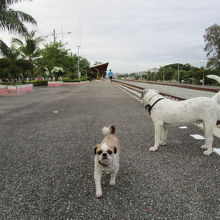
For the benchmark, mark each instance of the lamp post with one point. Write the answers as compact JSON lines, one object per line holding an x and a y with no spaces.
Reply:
{"x":155,"y":73}
{"x":54,"y":36}
{"x":178,"y":73}
{"x":203,"y":75}
{"x":78,"y":63}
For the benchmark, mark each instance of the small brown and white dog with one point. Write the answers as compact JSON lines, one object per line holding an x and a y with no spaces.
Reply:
{"x":106,"y":158}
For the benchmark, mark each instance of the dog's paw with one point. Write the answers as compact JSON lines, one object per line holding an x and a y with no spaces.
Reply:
{"x":112,"y":183}
{"x":152,"y":149}
{"x":207,"y":152}
{"x":204,"y":147}
{"x":163,"y":143}
{"x":98,"y":195}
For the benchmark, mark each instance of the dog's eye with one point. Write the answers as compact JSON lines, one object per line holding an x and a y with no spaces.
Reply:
{"x":109,"y":152}
{"x":99,"y":152}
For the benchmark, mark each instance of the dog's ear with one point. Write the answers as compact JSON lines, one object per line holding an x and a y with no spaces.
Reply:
{"x":95,"y":149}
{"x":115,"y":150}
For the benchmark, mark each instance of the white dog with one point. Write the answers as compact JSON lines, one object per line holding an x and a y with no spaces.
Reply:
{"x":167,"y":113}
{"x":106,"y":158}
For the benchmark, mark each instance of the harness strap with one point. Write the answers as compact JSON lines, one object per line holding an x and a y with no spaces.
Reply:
{"x":149,"y":107}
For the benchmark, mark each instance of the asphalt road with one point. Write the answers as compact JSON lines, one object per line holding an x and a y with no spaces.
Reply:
{"x":47,"y":139}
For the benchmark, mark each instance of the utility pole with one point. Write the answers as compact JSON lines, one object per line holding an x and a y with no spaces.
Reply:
{"x":203,"y":77}
{"x":54,"y":36}
{"x":178,"y":74}
{"x":78,"y":63}
{"x":163,"y":75}
{"x":203,"y":73}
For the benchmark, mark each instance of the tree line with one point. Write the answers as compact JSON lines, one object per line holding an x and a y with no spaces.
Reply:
{"x":186,"y":72}
{"x":25,"y":59}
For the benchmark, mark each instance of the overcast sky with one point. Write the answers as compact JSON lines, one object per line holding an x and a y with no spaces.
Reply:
{"x":132,"y":35}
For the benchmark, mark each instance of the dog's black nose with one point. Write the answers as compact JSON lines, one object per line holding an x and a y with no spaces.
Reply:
{"x":104,"y":154}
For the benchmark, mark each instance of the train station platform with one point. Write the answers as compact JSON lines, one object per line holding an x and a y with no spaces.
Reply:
{"x":47,"y":159}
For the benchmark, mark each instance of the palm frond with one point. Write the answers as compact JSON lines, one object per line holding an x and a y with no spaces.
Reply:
{"x":21,"y":16}
{"x":3,"y":5}
{"x":10,"y":2}
{"x":10,"y":23}
{"x":13,"y":21}
{"x":4,"y":49}
{"x":17,"y":42}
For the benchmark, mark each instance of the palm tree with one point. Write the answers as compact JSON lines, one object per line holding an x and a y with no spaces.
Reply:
{"x":12,"y":65}
{"x":4,"y":49}
{"x":12,"y":20}
{"x":12,"y":55}
{"x":30,"y":48}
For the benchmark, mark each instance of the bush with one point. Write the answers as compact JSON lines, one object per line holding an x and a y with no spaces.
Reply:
{"x":11,"y":83}
{"x":34,"y":82}
{"x":71,"y":80}
{"x":73,"y":75}
{"x":38,"y":83}
{"x":84,"y":79}
{"x":75,"y":80}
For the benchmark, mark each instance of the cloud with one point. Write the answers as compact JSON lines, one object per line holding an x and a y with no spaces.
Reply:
{"x":130,"y":35}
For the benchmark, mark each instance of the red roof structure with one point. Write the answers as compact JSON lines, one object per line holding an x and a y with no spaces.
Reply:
{"x":99,"y":70}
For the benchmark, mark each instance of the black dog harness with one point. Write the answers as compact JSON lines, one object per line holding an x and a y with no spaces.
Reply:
{"x":149,"y":107}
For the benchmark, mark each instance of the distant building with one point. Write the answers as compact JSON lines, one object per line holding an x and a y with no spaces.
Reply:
{"x":99,"y":70}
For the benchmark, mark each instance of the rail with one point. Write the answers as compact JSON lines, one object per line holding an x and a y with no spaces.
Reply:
{"x":186,"y":86}
{"x":139,"y":89}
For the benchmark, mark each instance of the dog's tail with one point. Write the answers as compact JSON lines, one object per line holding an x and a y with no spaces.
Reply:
{"x":108,"y":130}
{"x":216,"y":97}
{"x":216,"y":78}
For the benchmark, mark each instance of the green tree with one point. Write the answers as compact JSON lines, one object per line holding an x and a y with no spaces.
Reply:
{"x":13,"y":21}
{"x":13,"y":66}
{"x":4,"y":64}
{"x":12,"y":55}
{"x":56,"y":55}
{"x":212,"y":47}
{"x":29,"y":49}
{"x":84,"y":67}
{"x":4,"y":49}
{"x":57,"y":72}
{"x":25,"y":66}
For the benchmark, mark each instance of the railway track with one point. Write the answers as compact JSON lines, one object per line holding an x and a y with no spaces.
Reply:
{"x":185,"y":86}
{"x":139,"y":90}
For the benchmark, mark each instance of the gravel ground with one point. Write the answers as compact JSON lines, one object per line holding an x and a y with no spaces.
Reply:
{"x":46,"y":160}
{"x":175,"y":91}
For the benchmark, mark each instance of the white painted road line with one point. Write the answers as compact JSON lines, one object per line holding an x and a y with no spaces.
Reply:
{"x":129,"y":91}
{"x":197,"y":136}
{"x":183,"y":127}
{"x":216,"y":150}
